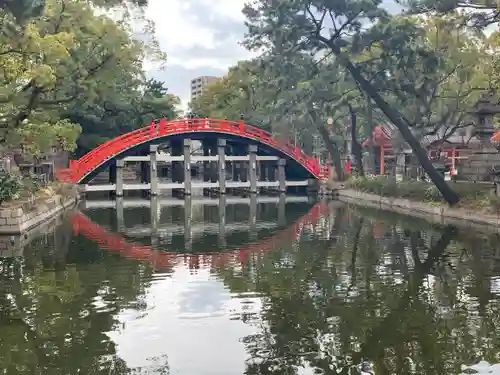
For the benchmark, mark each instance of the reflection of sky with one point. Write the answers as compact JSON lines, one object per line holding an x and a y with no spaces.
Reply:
{"x":482,"y":368}
{"x":188,"y":320}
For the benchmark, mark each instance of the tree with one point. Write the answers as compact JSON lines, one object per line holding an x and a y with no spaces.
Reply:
{"x":345,"y":29}
{"x":24,"y":10}
{"x":131,"y":106}
{"x":476,"y":13}
{"x":66,"y":64}
{"x":240,"y":93}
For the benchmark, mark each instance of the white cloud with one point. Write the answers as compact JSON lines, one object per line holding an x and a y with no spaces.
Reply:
{"x":200,"y":37}
{"x":179,"y":28}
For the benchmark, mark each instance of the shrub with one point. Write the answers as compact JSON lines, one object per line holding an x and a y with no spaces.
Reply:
{"x":10,"y":186}
{"x":477,"y":195}
{"x":432,"y":194}
{"x":389,"y":187}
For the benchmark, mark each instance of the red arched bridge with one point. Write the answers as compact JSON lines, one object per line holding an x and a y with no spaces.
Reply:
{"x":241,"y":156}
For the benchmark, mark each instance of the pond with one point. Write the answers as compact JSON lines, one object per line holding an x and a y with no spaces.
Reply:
{"x":248,"y":286}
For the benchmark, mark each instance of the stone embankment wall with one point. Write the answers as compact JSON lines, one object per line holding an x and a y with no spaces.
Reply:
{"x":441,"y":214}
{"x":19,"y":217}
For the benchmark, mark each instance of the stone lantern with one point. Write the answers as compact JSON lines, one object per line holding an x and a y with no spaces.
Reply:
{"x":483,"y":165}
{"x":485,"y":109}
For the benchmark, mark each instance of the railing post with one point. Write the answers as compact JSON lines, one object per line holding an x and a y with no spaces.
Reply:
{"x":241,"y":124}
{"x":163,"y":126}
{"x":152,"y":128}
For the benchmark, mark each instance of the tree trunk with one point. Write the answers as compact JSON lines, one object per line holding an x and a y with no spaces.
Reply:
{"x":356,"y":147}
{"x":330,"y":145}
{"x":448,"y":194}
{"x":368,"y":130}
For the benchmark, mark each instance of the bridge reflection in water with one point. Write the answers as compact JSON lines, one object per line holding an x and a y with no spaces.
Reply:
{"x":266,"y":226}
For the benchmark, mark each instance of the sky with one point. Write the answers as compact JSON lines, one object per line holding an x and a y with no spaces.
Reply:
{"x":200,"y":37}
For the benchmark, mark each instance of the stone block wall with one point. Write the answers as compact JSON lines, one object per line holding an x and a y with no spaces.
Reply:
{"x":442,"y":214}
{"x":17,"y":218}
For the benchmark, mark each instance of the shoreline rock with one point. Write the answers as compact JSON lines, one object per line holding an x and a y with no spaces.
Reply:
{"x":18,"y":217}
{"x":441,"y":214}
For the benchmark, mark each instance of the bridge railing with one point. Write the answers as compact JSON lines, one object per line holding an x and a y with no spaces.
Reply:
{"x":117,"y":145}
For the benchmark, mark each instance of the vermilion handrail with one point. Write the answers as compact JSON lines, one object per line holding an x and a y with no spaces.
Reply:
{"x":78,"y":169}
{"x":163,"y":259}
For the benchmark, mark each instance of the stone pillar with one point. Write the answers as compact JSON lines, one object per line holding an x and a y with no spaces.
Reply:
{"x":188,"y":232}
{"x":112,"y":173}
{"x":221,"y":150}
{"x":177,"y":173}
{"x":120,"y":217}
{"x":214,"y":175}
{"x":271,"y":171}
{"x":120,"y":165}
{"x":264,"y":167}
{"x":206,"y":164}
{"x":312,"y":186}
{"x":144,"y":172}
{"x":253,"y":217}
{"x":155,"y":216}
{"x":252,"y":168}
{"x":233,"y":171}
{"x":400,"y":165}
{"x":187,"y":166}
{"x":153,"y":170}
{"x":282,"y":175}
{"x":222,"y":222}
{"x":282,"y":210}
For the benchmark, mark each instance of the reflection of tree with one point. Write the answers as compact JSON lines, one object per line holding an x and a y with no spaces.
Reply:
{"x":410,"y":299}
{"x":57,"y":308}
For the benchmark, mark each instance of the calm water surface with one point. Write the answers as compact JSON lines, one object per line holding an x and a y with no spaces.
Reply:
{"x":249,"y":288}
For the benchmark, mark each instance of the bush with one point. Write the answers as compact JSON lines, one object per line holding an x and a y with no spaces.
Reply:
{"x":388,"y":187}
{"x":10,"y":186}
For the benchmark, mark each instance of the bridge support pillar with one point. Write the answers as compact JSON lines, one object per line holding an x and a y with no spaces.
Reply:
{"x":112,"y":173}
{"x":187,"y":166}
{"x":271,"y":172}
{"x":144,"y":172}
{"x":153,"y":170}
{"x":282,"y":175}
{"x":282,"y":210}
{"x":206,"y":164}
{"x":120,"y":166}
{"x":222,"y":222}
{"x":312,"y":186}
{"x":120,"y":217}
{"x":177,"y":174}
{"x":221,"y":150}
{"x":209,"y":167}
{"x":155,"y":216}
{"x":252,"y":168}
{"x":253,"y":217}
{"x":188,"y":230}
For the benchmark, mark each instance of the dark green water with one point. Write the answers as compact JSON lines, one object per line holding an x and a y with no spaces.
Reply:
{"x":326,"y":291}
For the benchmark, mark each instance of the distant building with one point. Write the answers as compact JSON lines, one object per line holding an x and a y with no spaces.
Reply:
{"x":200,"y":83}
